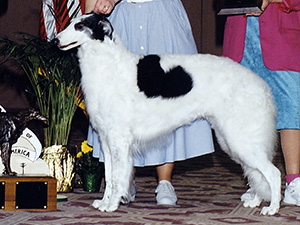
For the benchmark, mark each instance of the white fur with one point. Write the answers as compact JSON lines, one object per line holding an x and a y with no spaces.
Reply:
{"x":237,"y":103}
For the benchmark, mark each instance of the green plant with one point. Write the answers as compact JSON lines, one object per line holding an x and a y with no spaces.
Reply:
{"x":55,"y":79}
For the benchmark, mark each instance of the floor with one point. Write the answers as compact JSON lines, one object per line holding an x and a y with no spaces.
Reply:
{"x":208,"y":190}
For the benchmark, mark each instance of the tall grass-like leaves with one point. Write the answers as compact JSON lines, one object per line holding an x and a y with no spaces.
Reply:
{"x":55,"y":79}
{"x":54,"y":75}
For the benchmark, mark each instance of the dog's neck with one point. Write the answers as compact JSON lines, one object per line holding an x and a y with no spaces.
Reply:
{"x":112,"y":49}
{"x":108,"y":60}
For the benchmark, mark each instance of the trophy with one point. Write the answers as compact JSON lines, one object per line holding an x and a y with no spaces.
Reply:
{"x":236,"y":7}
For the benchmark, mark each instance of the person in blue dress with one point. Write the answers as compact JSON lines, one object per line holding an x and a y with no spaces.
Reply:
{"x":156,"y":27}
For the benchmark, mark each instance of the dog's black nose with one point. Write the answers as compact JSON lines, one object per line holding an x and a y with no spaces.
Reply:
{"x":55,"y":41}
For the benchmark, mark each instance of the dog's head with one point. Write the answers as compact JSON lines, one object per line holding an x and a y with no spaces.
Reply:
{"x":84,"y":28}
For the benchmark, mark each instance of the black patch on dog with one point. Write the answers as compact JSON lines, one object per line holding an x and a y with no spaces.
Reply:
{"x":99,"y":24}
{"x":154,"y":82}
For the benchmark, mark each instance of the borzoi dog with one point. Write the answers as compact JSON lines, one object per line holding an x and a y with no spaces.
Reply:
{"x":132,"y":99}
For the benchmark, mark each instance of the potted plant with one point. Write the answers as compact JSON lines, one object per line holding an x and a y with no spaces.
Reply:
{"x":89,"y":168}
{"x":55,"y":82}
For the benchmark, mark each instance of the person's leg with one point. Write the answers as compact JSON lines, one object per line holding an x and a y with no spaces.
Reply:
{"x":164,"y":172}
{"x":290,"y":144}
{"x":165,"y":192}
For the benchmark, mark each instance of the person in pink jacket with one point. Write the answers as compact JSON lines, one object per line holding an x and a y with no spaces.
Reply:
{"x":269,"y":44}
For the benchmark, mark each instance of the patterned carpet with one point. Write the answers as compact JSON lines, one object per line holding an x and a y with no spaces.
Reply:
{"x":208,"y":190}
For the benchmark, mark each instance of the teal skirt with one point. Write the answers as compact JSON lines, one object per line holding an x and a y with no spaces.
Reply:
{"x":285,"y":85}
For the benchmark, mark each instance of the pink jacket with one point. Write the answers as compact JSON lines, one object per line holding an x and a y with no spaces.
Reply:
{"x":279,"y":35}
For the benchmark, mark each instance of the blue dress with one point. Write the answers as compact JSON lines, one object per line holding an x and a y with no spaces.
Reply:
{"x":285,"y":85}
{"x":157,"y":27}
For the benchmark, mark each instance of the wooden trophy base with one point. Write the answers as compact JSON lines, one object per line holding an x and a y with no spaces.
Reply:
{"x":28,"y":193}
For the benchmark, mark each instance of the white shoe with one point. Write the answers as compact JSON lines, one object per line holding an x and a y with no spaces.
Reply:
{"x":165,"y":193}
{"x":292,"y":192}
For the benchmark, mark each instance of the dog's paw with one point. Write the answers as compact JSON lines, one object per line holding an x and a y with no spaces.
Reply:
{"x":252,"y":202}
{"x":112,"y":207}
{"x":96,"y":204}
{"x":125,"y":199}
{"x":250,"y":199}
{"x":248,"y":195}
{"x":101,"y":205}
{"x":108,"y":207}
{"x":269,"y":210}
{"x":106,"y":204}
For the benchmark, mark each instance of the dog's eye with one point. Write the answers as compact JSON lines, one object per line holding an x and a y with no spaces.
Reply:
{"x":79,"y":26}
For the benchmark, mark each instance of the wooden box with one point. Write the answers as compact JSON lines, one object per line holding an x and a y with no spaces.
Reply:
{"x":28,"y":193}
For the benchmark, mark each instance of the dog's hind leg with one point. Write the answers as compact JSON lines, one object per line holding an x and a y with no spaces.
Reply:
{"x":252,"y":153}
{"x":257,"y":184}
{"x":250,"y":198}
{"x":273,"y":178}
{"x":265,"y":184}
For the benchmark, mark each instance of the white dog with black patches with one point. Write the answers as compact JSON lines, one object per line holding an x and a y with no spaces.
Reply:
{"x":132,"y":99}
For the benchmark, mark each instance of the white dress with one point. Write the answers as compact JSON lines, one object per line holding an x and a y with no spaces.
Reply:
{"x":158,"y":27}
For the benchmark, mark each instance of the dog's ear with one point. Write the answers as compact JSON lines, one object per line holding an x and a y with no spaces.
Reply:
{"x":100,"y":26}
{"x":106,"y":27}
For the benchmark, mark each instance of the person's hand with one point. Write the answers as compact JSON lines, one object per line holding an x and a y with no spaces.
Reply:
{"x":264,"y":5}
{"x":104,"y":6}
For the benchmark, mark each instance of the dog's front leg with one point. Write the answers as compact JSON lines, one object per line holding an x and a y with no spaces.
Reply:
{"x":103,"y":204}
{"x":122,"y":167}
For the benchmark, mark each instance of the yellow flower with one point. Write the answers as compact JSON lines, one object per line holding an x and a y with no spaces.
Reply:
{"x":79,"y":154}
{"x":85,"y":148}
{"x":43,"y":73}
